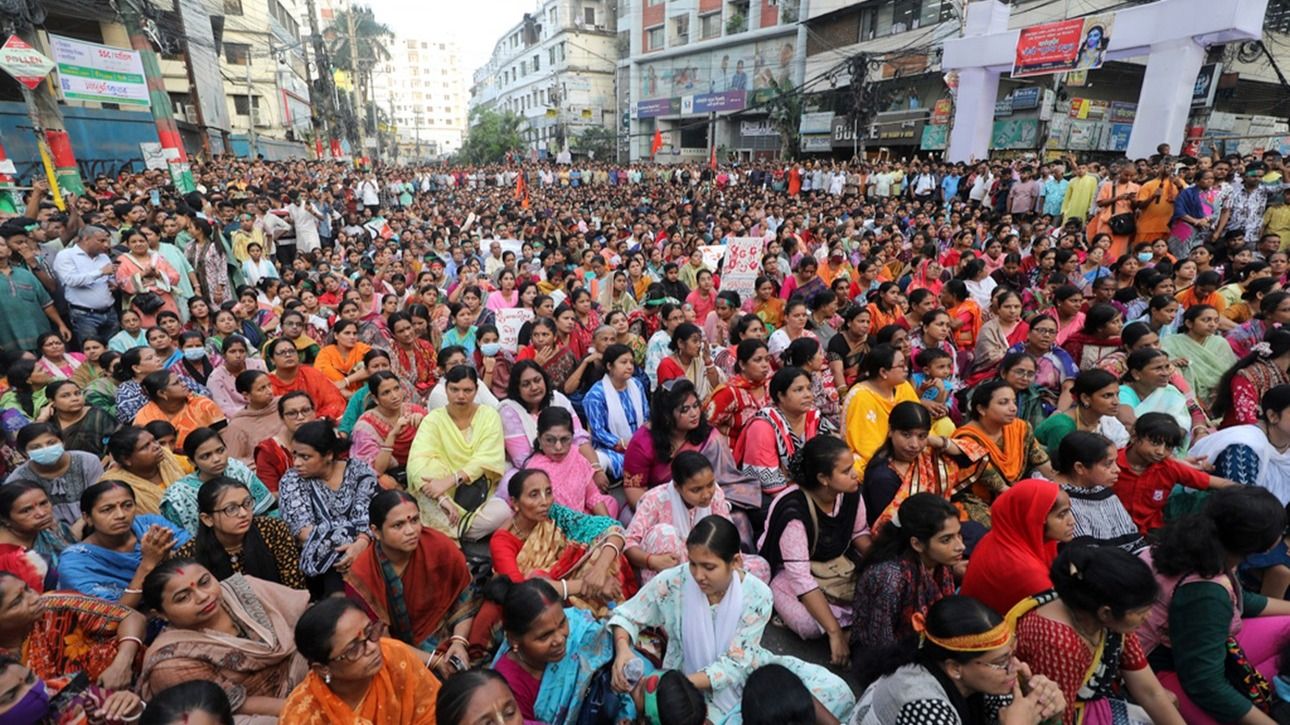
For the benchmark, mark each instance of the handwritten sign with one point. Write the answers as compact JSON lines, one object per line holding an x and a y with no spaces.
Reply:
{"x":743,"y":264}
{"x":509,"y":322}
{"x":712,"y":254}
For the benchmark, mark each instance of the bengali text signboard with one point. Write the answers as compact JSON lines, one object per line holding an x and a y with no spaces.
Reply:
{"x":98,"y":73}
{"x":1078,"y":44}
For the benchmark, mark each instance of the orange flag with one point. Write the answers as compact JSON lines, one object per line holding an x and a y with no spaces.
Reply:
{"x":657,"y":143}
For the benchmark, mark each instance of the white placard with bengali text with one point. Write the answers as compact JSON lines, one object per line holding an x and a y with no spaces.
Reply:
{"x":712,"y":254}
{"x":743,"y":264}
{"x":509,"y":322}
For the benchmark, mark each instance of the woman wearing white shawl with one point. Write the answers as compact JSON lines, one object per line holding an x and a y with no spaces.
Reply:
{"x":616,"y":406}
{"x":1255,"y":455}
{"x":714,"y":614}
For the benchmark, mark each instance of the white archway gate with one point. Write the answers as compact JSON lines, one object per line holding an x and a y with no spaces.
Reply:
{"x":1172,"y":34}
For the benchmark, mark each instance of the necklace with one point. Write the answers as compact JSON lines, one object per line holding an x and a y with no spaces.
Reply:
{"x":1091,"y":639}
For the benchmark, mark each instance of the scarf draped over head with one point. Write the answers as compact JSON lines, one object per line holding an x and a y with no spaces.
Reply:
{"x":1012,"y":561}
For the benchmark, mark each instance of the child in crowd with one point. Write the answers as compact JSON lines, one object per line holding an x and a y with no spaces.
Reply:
{"x":1148,"y":472}
{"x":934,"y":382}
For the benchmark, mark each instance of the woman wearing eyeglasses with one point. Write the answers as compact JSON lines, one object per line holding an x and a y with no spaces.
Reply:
{"x":356,"y":674}
{"x":273,"y":454}
{"x":231,"y":539}
{"x":236,"y":633}
{"x":205,"y":448}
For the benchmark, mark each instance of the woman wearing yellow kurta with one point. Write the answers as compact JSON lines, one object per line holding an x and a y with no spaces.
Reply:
{"x":456,"y":460}
{"x":141,"y":463}
{"x":1079,"y":195}
{"x":884,"y":383}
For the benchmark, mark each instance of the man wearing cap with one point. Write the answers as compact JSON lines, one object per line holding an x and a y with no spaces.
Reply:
{"x":26,"y":309}
{"x":86,"y":272}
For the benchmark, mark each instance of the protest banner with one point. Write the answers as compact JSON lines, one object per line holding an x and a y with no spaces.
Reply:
{"x":743,"y":264}
{"x":509,"y":322}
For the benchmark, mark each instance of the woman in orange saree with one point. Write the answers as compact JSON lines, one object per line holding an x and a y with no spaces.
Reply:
{"x":356,"y":675}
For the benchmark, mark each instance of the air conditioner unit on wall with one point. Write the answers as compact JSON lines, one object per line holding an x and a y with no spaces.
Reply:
{"x":190,"y":113}
{"x":261,"y":118}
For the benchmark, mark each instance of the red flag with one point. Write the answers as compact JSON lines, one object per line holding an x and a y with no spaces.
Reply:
{"x":520,"y":191}
{"x":657,"y":143}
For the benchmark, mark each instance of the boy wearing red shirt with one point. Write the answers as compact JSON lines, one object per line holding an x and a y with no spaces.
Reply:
{"x":1148,"y":471}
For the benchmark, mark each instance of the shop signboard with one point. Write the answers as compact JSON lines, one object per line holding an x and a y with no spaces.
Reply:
{"x":935,"y":137}
{"x":1202,"y":95}
{"x":658,"y":107}
{"x":99,"y":73}
{"x":720,"y":102}
{"x":1084,"y":135}
{"x":1015,"y":133}
{"x":816,"y":143}
{"x":1024,"y":99}
{"x":757,"y":128}
{"x":1116,"y":136}
{"x":901,"y":127}
{"x":942,"y":111}
{"x":843,"y":132}
{"x":1058,"y":128}
{"x":1122,"y":112}
{"x":816,"y":122}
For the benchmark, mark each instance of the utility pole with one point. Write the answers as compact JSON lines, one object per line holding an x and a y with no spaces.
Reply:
{"x":162,"y":113}
{"x":418,"y":132}
{"x":324,"y":98}
{"x":250,"y":113}
{"x":354,"y":79}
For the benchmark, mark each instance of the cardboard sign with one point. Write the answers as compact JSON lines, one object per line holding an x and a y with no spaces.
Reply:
{"x":712,"y":254}
{"x":743,"y":264}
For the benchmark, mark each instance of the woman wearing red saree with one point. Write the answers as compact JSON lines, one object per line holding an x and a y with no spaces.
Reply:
{"x":734,"y":403}
{"x":581,"y":555}
{"x":415,"y":581}
{"x":585,"y":321}
{"x":383,"y":435}
{"x":413,"y":359}
{"x":927,"y":276}
{"x":965,"y":314}
{"x":1003,"y":331}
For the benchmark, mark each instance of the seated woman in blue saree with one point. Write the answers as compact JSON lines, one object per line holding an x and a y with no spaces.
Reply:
{"x":550,"y":675}
{"x":415,"y":580}
{"x":120,"y":549}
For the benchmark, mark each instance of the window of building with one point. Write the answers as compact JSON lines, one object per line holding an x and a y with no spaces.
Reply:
{"x":654,"y":38}
{"x":560,"y":51}
{"x":710,"y":25}
{"x":232,"y":7}
{"x":241,"y":107}
{"x":550,"y":55}
{"x":237,"y":53}
{"x":589,"y":16}
{"x":524,"y":68}
{"x":537,"y":64}
{"x":681,"y":29}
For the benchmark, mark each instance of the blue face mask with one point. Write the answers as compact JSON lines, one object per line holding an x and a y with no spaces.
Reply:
{"x":1144,"y":256}
{"x":47,"y":456}
{"x":194,"y":353}
{"x":489,"y":349}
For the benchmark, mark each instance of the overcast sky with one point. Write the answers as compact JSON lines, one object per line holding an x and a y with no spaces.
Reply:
{"x":475,"y":24}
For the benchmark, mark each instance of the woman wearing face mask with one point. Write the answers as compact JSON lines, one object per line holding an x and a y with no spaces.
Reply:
{"x":910,"y":568}
{"x":61,"y":473}
{"x":666,"y":514}
{"x":965,"y":654}
{"x":232,"y":539}
{"x":236,"y":633}
{"x":356,"y":673}
{"x":1012,"y":561}
{"x":415,"y":581}
{"x":82,"y":427}
{"x":383,"y":435}
{"x":195,"y":363}
{"x":714,"y":615}
{"x":34,"y":700}
{"x":205,"y":449}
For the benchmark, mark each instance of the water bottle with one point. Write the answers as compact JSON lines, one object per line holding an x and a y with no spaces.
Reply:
{"x":633,"y":672}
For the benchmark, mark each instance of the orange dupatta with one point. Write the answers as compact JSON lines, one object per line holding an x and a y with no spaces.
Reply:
{"x":1011,"y":459}
{"x":402,"y":693}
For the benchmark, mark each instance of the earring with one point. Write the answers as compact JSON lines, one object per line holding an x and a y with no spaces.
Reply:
{"x":327,"y":678}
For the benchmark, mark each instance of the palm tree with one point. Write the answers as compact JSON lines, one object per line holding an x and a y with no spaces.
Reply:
{"x":370,"y":38}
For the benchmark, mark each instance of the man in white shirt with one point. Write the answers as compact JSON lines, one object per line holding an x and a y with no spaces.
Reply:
{"x":87,"y":272}
{"x":370,"y":193}
{"x":493,"y":262}
{"x":304,"y":215}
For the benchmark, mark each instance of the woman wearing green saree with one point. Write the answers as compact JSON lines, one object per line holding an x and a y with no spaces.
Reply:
{"x":1207,"y":354}
{"x":1034,"y":401}
{"x":1146,"y":389}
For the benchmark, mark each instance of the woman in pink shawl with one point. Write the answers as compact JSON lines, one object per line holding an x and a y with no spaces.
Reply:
{"x":572,"y":477}
{"x":927,"y":276}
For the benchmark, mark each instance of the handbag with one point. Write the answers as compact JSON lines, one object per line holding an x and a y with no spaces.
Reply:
{"x":600,"y":703}
{"x":470,"y":496}
{"x":148,"y":302}
{"x":837,"y":576}
{"x":1121,"y":224}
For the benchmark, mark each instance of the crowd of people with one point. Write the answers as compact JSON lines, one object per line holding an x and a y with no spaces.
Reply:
{"x":508,"y":444}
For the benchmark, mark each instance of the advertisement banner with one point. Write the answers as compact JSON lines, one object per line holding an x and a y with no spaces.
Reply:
{"x":1015,"y":133}
{"x":1202,"y":94}
{"x":1122,"y":112}
{"x":941,"y":112}
{"x":658,"y":107}
{"x":718,"y":102}
{"x":743,"y":264}
{"x":1084,"y":135}
{"x":98,"y":73}
{"x":1066,"y":45}
{"x":816,"y":122}
{"x":815,"y":143}
{"x":935,"y":138}
{"x":1116,"y":137}
{"x":26,"y":64}
{"x":757,"y":128}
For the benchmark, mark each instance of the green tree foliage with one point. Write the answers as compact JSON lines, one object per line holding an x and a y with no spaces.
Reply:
{"x":597,"y":140}
{"x":491,"y":135}
{"x":371,"y":36}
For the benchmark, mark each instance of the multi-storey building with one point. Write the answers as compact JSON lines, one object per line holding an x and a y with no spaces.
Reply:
{"x":720,"y":60}
{"x":263,"y":63}
{"x":555,"y":69}
{"x":422,"y":90}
